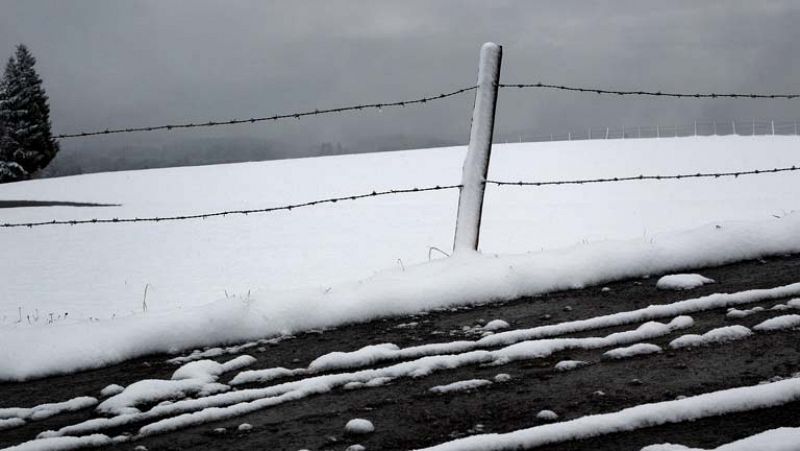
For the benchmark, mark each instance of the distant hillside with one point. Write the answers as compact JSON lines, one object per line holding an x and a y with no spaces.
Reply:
{"x":92,"y":155}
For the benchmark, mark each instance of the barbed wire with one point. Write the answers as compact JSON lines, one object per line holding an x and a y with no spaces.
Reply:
{"x":650,"y":93}
{"x":698,"y":175}
{"x":715,"y":175}
{"x":331,"y":200}
{"x":421,"y":100}
{"x":252,"y":120}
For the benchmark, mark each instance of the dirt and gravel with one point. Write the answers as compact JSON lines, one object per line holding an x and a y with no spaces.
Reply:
{"x":407,"y":416}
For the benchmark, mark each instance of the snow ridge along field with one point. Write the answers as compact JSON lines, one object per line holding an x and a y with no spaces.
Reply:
{"x":226,"y":280}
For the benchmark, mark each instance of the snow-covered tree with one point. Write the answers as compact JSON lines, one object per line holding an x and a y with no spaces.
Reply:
{"x":10,"y":171}
{"x":25,"y":114}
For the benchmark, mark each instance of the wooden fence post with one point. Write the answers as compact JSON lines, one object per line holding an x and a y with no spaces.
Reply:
{"x":476,"y":164}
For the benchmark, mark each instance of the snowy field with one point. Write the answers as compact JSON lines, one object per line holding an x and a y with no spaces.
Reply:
{"x":242,"y":277}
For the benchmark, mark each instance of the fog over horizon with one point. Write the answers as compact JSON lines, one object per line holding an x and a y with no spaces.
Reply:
{"x":149,"y":62}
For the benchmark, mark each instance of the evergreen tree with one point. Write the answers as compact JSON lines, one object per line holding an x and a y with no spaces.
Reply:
{"x":25,"y":114}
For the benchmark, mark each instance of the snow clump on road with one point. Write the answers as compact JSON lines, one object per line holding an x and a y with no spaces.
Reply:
{"x":359,"y":426}
{"x":496,"y":324}
{"x":502,"y":377}
{"x":567,"y":365}
{"x":682,"y":282}
{"x":718,"y":335}
{"x":11,"y":417}
{"x":547,"y":415}
{"x":194,"y":378}
{"x":467,"y":385}
{"x":778,"y":323}
{"x":111,"y":390}
{"x":735,"y":313}
{"x":633,"y":350}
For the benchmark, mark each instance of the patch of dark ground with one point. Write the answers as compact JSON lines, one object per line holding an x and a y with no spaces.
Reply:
{"x":49,"y":203}
{"x":407,"y":415}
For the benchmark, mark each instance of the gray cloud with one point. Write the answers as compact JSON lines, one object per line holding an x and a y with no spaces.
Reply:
{"x":111,"y":64}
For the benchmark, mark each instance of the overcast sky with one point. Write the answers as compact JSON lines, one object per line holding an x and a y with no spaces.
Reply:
{"x":133,"y":63}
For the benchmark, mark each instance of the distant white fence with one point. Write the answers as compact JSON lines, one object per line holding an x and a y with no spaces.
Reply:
{"x":697,"y":128}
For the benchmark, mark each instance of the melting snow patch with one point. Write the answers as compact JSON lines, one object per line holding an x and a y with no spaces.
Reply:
{"x":543,"y":348}
{"x":780,"y":439}
{"x":216,"y":352}
{"x":502,"y":377}
{"x":365,"y":356}
{"x":43,"y":411}
{"x":370,"y":355}
{"x":111,"y":390}
{"x":467,"y":385}
{"x":149,"y":391}
{"x":250,"y":376}
{"x":567,"y":365}
{"x":667,"y":447}
{"x":63,"y":443}
{"x":496,"y":325}
{"x":209,"y":370}
{"x":9,"y":423}
{"x":359,"y":426}
{"x":682,"y":282}
{"x":718,"y":335}
{"x":633,"y":350}
{"x":194,"y":378}
{"x":735,"y":313}
{"x":378,"y":381}
{"x":778,"y":323}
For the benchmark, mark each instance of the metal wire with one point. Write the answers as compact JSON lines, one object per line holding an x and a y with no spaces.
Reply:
{"x":650,"y":93}
{"x":698,"y":175}
{"x":331,"y":200}
{"x":252,"y":120}
{"x":403,"y":103}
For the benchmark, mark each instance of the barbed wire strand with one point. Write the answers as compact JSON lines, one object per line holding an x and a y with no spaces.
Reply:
{"x":422,"y":100}
{"x":698,"y":175}
{"x":252,"y":120}
{"x":650,"y":93}
{"x":331,"y":200}
{"x":715,"y":175}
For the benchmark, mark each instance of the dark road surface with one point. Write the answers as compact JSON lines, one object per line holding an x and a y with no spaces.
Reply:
{"x":407,"y":416}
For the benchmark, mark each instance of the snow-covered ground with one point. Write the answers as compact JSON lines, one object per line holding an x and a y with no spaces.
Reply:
{"x":242,"y":277}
